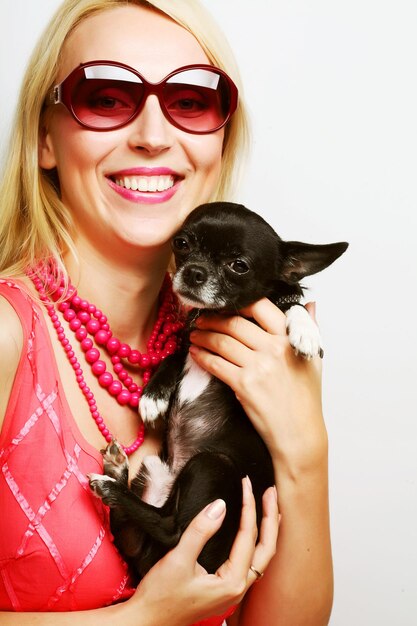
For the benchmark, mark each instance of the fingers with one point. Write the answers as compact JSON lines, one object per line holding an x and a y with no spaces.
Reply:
{"x":244,"y":331}
{"x":268,"y":316}
{"x":268,"y":534}
{"x":246,"y":553}
{"x":199,"y":531}
{"x":240,"y":557}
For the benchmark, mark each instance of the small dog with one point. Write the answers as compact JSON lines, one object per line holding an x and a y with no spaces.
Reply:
{"x":227,"y":257}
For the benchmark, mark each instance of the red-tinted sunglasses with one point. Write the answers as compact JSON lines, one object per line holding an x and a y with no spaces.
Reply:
{"x":103,"y":95}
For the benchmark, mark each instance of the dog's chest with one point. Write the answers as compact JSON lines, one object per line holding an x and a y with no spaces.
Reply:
{"x":190,"y":423}
{"x":194,"y":382}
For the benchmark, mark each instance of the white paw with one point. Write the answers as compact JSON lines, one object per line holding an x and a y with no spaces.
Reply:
{"x":98,"y":484}
{"x":152,"y":408}
{"x":303,"y":333}
{"x":100,"y":478}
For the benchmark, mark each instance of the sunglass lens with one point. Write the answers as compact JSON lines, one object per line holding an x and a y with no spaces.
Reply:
{"x":101,"y":99}
{"x":197,"y":100}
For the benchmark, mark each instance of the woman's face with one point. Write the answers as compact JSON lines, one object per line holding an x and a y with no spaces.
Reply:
{"x":91,"y":165}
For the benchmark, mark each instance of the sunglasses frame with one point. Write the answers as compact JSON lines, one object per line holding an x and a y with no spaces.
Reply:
{"x":61,"y":94}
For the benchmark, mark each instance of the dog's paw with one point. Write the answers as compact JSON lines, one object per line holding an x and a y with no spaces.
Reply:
{"x":103,"y":487}
{"x":115,"y":461}
{"x":151,"y":407}
{"x":303,"y":333}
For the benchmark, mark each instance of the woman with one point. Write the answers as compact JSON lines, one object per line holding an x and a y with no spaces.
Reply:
{"x":92,"y":193}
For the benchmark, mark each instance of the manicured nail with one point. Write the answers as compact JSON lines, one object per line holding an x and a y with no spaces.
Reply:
{"x":216,"y":509}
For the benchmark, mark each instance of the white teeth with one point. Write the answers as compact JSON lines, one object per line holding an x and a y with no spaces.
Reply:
{"x":146,"y":183}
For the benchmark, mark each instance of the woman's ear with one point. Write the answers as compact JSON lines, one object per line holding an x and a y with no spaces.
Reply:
{"x":46,"y":155}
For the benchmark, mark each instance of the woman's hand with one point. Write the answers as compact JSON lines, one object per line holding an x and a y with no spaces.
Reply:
{"x":178,"y":591}
{"x":280,"y":391}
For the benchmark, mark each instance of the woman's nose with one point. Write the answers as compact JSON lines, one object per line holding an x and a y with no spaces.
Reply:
{"x":150,"y":130}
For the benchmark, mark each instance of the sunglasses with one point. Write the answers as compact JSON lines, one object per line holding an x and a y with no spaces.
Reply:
{"x":103,"y":95}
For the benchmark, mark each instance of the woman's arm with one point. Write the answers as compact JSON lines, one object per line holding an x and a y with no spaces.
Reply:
{"x":281,"y":394}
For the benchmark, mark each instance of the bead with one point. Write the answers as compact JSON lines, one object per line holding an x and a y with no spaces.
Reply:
{"x":69,"y":315}
{"x":92,"y":355}
{"x":81,"y":334}
{"x":123,"y":397}
{"x":86,"y":344}
{"x":92,"y":326}
{"x":98,"y":368}
{"x":113,"y":345}
{"x":123,"y":351}
{"x":134,"y":357}
{"x":83,"y":316}
{"x":101,"y":337}
{"x":115,"y":387}
{"x":105,"y":379}
{"x":144,"y":360}
{"x":75,"y":324}
{"x":134,"y":400}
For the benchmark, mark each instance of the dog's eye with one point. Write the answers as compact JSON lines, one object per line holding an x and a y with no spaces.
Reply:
{"x":239,"y":266}
{"x":180,"y":244}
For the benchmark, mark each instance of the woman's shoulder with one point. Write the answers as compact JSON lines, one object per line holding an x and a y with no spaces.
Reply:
{"x":11,"y":344}
{"x":11,"y":331}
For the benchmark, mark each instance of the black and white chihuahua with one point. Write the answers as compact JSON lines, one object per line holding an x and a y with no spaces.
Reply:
{"x":227,"y":257}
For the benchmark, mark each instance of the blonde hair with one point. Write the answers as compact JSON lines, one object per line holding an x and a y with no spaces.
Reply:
{"x":34,"y":224}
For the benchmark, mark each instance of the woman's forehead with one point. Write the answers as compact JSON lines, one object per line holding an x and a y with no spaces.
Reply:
{"x":144,"y":39}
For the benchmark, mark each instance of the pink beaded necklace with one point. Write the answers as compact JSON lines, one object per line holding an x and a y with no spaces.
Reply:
{"x":91,"y":329}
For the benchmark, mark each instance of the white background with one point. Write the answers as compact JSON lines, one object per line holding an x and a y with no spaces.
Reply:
{"x":332,"y":93}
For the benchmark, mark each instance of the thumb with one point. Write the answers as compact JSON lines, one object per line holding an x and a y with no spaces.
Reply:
{"x":202,"y":527}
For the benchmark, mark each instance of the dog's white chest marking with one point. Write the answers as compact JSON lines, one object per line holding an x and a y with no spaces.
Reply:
{"x":194,"y":382}
{"x":303,"y":332}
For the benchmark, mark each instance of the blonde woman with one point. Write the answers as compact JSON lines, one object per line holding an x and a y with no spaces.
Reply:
{"x":103,"y":168}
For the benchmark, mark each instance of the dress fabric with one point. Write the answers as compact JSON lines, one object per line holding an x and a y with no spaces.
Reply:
{"x":56,"y":550}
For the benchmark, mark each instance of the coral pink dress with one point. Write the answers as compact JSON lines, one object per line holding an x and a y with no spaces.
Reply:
{"x":56,"y":549}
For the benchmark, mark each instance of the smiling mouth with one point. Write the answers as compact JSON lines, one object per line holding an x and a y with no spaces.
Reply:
{"x":145,"y":183}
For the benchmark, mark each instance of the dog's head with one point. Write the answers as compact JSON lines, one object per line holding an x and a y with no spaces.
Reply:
{"x":228,"y":257}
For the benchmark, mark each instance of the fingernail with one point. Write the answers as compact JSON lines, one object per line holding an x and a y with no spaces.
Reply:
{"x":247,"y":489}
{"x":279,"y":518}
{"x":216,"y":509}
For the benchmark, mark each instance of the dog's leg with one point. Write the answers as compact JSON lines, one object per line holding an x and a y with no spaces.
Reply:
{"x":158,"y":480}
{"x":157,"y":394}
{"x":303,"y":332}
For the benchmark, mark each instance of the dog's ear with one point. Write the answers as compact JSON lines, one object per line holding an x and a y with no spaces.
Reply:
{"x":303,"y":259}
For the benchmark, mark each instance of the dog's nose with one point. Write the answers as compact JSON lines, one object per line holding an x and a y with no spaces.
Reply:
{"x":195,"y":275}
